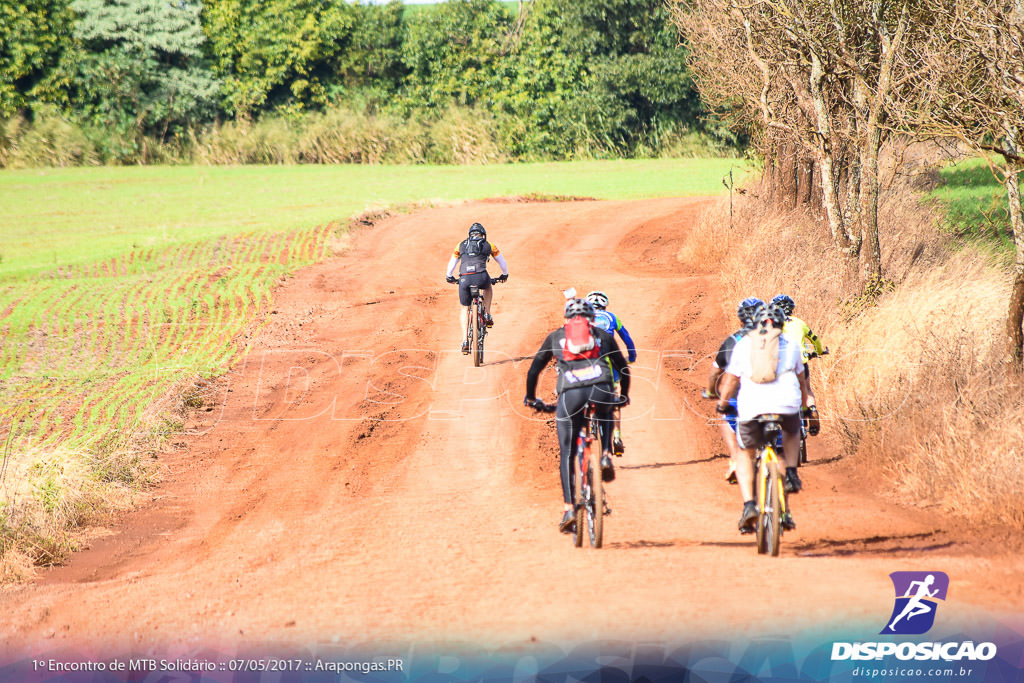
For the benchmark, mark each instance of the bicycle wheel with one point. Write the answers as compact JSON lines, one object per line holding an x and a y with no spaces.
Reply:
{"x":803,"y":447}
{"x":761,"y":489}
{"x":769,"y":522}
{"x":579,"y":497}
{"x":478,"y":346}
{"x":595,"y":502}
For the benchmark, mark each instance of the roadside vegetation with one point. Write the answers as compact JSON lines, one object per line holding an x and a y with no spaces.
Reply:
{"x":124,"y":291}
{"x":920,"y":297}
{"x":90,"y":82}
{"x":917,"y":388}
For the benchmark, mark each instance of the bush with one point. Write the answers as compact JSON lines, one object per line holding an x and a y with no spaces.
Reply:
{"x":49,"y":141}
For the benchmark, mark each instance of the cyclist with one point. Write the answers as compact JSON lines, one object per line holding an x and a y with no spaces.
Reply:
{"x":746,"y":312}
{"x":784,"y":394}
{"x":472,"y":255}
{"x":800,"y":332}
{"x":611,"y":324}
{"x":584,"y":375}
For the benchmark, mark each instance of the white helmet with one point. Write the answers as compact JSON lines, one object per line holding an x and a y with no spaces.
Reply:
{"x":598,"y":299}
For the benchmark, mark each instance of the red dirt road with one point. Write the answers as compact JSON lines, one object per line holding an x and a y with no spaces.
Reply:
{"x":360,"y":482}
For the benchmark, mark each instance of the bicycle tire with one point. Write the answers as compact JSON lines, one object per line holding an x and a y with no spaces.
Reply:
{"x":478,"y":344}
{"x":578,"y":501}
{"x":761,"y":494}
{"x":595,"y":502}
{"x":769,"y":521}
{"x":803,"y":449}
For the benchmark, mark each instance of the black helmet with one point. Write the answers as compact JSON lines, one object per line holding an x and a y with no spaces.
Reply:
{"x":771,"y":315}
{"x":575,"y":307}
{"x":748,"y":309}
{"x":785,"y":302}
{"x":477,"y":229}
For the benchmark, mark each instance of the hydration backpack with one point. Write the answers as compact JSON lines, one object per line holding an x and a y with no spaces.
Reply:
{"x":764,"y":354}
{"x":473,"y":254}
{"x":579,"y":340}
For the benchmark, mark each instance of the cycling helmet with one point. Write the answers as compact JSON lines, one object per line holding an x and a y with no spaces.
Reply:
{"x":786,"y":302}
{"x":772,"y":314}
{"x":748,"y":309}
{"x":575,"y":307}
{"x":598,"y":299}
{"x":478,"y":229}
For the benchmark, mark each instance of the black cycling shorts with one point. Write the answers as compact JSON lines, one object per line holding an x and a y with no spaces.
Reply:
{"x":750,"y":433}
{"x":481,"y":280}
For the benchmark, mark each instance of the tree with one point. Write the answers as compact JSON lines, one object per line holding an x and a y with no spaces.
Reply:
{"x":816,"y":74}
{"x":140,"y":71}
{"x":970,"y":85}
{"x":277,"y":53}
{"x":34,"y":35}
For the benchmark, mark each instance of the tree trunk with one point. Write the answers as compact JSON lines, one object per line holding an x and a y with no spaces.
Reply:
{"x":871,"y":253}
{"x":1015,"y":312}
{"x":830,"y":196}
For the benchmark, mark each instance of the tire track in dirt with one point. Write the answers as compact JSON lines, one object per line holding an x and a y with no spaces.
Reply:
{"x":363,"y":483}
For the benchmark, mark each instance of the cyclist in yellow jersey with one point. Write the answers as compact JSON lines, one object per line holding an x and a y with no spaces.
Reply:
{"x":800,"y":332}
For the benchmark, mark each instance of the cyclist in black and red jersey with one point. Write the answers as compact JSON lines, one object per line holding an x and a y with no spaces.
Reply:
{"x":472,"y":255}
{"x":586,"y":357}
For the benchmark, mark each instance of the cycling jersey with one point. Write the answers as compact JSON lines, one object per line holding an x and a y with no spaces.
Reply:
{"x":579,"y":373}
{"x":610,"y":323}
{"x":473,"y":255}
{"x":725,"y":350}
{"x":800,"y":332}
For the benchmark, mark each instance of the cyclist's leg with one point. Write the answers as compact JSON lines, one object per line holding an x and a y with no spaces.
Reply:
{"x":749,"y":436}
{"x":604,"y":398}
{"x":487,"y":291}
{"x":569,"y":420}
{"x":617,"y":446}
{"x":791,"y":439}
{"x":465,"y":300}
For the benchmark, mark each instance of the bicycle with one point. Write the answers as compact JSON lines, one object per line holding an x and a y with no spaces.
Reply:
{"x":475,"y":342}
{"x":769,"y":491}
{"x":589,"y":502}
{"x":805,"y":417}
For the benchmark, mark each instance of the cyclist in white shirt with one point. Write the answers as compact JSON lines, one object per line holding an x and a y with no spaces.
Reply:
{"x":784,"y":395}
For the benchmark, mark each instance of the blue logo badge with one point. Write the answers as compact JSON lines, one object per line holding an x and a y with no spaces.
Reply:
{"x":917,"y":596}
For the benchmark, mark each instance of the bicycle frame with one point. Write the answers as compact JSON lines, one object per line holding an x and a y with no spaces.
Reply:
{"x":476,"y":321}
{"x":589,"y":490}
{"x":770,"y":492}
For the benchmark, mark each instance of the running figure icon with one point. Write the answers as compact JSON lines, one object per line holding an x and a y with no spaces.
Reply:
{"x":917,"y":596}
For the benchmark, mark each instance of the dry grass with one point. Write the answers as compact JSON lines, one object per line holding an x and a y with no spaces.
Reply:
{"x":916,"y":385}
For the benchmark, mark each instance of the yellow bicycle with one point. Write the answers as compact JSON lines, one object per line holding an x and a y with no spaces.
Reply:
{"x":769,"y":491}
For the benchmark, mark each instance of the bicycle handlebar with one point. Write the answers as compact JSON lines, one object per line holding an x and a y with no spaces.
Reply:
{"x":815,"y":354}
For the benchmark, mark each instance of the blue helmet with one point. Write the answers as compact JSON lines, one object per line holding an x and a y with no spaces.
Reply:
{"x":748,"y":309}
{"x":785,"y":302}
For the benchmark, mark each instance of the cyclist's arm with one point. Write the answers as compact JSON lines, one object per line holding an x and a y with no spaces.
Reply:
{"x":819,"y":348}
{"x":501,"y":262}
{"x":806,"y":397}
{"x":730,"y":383}
{"x":540,"y":360}
{"x":618,"y":362}
{"x":713,"y":378}
{"x":451,"y":266}
{"x":630,"y":346}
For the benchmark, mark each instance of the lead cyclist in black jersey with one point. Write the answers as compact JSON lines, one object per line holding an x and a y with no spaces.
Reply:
{"x":472,"y":254}
{"x":580,"y":380}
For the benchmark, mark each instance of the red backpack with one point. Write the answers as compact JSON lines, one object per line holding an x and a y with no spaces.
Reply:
{"x":579,"y":340}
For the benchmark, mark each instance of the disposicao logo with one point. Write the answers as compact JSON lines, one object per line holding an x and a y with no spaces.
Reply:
{"x":917,"y":595}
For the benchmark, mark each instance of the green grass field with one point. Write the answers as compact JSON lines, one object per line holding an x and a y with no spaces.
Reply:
{"x":121,"y":289}
{"x":975,"y":204}
{"x":61,"y":217}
